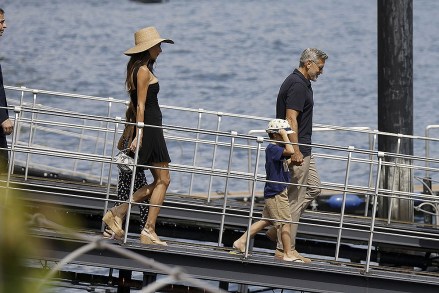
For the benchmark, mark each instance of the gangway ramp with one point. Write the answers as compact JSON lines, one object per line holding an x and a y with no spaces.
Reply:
{"x":260,"y":269}
{"x":207,"y":260}
{"x":63,"y":160}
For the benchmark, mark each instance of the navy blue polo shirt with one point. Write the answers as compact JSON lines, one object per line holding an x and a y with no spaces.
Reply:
{"x":296,"y":93}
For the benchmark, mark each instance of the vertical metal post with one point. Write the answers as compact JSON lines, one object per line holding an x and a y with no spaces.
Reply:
{"x":95,"y":151}
{"x":426,"y":189}
{"x":436,"y":222}
{"x":374,"y":209}
{"x":427,"y":151}
{"x":395,"y":173}
{"x":75,"y":164}
{"x":140,"y":126}
{"x":17,"y":111}
{"x":372,"y":148}
{"x":110,"y":169}
{"x":23,"y":88}
{"x":194,"y":162}
{"x":17,"y":132}
{"x":343,"y":205}
{"x":259,"y":140}
{"x":31,"y":132}
{"x":17,"y":125}
{"x":215,"y":147}
{"x":226,"y":188}
{"x":249,"y":163}
{"x":110,"y":99}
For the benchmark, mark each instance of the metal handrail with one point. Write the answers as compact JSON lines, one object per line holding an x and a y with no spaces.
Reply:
{"x":374,"y":160}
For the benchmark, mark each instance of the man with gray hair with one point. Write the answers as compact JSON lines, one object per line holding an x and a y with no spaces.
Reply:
{"x":295,"y":104}
{"x":6,"y":124}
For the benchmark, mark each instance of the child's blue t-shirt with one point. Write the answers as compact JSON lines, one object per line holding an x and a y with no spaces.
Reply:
{"x":276,"y":170}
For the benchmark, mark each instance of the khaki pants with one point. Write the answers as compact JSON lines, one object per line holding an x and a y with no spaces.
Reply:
{"x":301,"y":196}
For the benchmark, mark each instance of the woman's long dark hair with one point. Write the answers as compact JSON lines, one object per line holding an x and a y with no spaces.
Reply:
{"x":137,"y":60}
{"x":130,"y":114}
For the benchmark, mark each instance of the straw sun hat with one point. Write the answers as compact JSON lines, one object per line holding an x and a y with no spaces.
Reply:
{"x":145,"y":39}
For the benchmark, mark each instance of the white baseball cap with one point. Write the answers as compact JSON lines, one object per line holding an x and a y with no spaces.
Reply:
{"x":276,"y":124}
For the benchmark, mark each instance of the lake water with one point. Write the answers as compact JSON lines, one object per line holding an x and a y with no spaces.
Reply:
{"x":228,"y":56}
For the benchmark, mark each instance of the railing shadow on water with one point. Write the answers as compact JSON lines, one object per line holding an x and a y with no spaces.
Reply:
{"x":211,"y":163}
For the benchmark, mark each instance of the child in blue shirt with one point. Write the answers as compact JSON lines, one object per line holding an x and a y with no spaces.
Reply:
{"x":276,"y":207}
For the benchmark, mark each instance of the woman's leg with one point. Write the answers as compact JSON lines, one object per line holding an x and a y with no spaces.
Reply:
{"x":114,"y":217}
{"x":162,"y":180}
{"x":124,"y":186}
{"x":123,"y":191}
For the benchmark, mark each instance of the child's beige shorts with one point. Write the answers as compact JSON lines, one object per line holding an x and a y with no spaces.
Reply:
{"x":278,"y":208}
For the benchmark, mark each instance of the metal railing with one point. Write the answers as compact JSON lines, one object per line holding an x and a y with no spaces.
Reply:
{"x":91,"y":138}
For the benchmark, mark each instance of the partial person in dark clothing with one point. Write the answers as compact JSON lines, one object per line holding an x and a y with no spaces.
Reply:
{"x":295,"y":103}
{"x":6,"y":124}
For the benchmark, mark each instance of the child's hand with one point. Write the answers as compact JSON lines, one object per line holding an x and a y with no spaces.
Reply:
{"x":284,"y":135}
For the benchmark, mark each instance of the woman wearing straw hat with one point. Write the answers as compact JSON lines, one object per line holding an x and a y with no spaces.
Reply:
{"x":143,"y":87}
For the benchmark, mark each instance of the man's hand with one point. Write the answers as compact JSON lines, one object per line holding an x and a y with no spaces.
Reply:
{"x":7,"y":126}
{"x":297,"y":158}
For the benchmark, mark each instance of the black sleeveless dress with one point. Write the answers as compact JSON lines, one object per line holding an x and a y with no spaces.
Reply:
{"x":153,"y":148}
